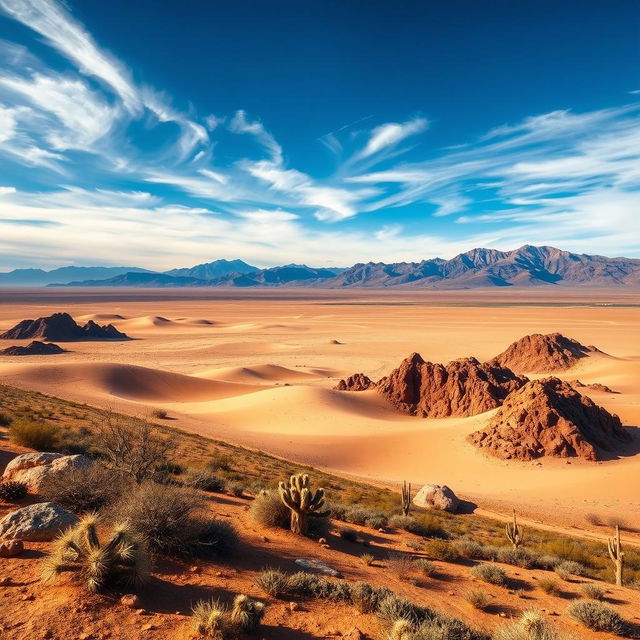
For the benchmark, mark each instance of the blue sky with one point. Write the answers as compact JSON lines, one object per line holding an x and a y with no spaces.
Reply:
{"x":165,"y":134}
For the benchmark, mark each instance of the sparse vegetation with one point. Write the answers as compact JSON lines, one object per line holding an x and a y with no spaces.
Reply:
{"x":477,"y":598}
{"x":246,"y":613}
{"x":532,"y":625}
{"x":400,"y":564}
{"x":273,"y":582}
{"x":35,"y":434}
{"x":121,"y":559}
{"x":425,"y":567}
{"x":159,"y":414}
{"x":567,"y":569}
{"x":204,"y":480}
{"x":598,"y":616}
{"x":85,"y":489}
{"x":208,"y":619}
{"x":441,"y":550}
{"x":490,"y":573}
{"x":269,"y":511}
{"x":12,"y":491}
{"x":367,"y":559}
{"x":550,"y":586}
{"x":592,"y":591}
{"x":348,"y":534}
{"x":514,"y":532}
{"x":170,"y":519}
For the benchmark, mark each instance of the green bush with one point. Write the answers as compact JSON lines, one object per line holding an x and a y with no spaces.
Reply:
{"x":41,"y":436}
{"x":490,"y":573}
{"x":598,"y":616}
{"x":85,"y":489}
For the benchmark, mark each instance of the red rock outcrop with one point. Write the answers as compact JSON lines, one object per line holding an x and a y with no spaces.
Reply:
{"x":356,"y":382}
{"x":61,"y":327}
{"x":463,"y":387}
{"x":35,"y":348}
{"x":595,"y":386}
{"x":540,"y":353}
{"x":548,"y":417}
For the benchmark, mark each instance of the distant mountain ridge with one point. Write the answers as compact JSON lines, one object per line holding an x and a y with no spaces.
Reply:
{"x":527,"y":266}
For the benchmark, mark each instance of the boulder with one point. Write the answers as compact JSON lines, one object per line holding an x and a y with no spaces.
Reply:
{"x":35,"y":468}
{"x":317,"y":566}
{"x":463,"y":387}
{"x":548,"y":417}
{"x":37,"y":522}
{"x":34,"y":348}
{"x":11,"y":548}
{"x":437,"y":496}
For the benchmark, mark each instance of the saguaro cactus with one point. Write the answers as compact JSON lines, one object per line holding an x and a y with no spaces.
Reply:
{"x":515,"y":532}
{"x":302,"y":501}
{"x":617,"y":555}
{"x":406,"y":497}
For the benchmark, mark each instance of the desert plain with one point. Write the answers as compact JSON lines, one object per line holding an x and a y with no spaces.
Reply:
{"x":258,"y":368}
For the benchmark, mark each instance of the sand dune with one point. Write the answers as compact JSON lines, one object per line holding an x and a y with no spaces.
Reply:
{"x":130,"y":382}
{"x":100,"y":318}
{"x":263,"y":373}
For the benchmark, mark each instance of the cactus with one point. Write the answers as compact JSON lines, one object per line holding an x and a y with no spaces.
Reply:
{"x":120,"y":558}
{"x":617,"y":555}
{"x":12,"y":491}
{"x":208,"y":619}
{"x":302,"y":502}
{"x":246,"y":613}
{"x":514,"y":532}
{"x":406,"y":497}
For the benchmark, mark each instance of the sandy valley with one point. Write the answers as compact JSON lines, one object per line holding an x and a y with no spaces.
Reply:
{"x":258,"y":368}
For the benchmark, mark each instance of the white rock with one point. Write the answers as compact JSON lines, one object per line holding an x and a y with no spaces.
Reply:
{"x":37,"y":522}
{"x":436,"y":496}
{"x":35,"y":468}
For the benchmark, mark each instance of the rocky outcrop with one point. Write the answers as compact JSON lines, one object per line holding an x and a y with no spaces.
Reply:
{"x":35,"y":348}
{"x":594,"y":386}
{"x":548,"y":417}
{"x":437,"y":496}
{"x":11,"y":548}
{"x":36,"y":523}
{"x":34,"y":469}
{"x":463,"y":387}
{"x":538,"y":353}
{"x":61,"y":327}
{"x":356,"y":382}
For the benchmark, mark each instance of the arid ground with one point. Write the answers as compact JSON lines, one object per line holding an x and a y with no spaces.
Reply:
{"x":258,"y":368}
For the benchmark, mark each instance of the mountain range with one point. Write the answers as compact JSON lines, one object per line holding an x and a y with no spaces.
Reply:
{"x":527,"y":266}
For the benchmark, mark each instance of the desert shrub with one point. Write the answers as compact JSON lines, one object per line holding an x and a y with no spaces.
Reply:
{"x":348,"y":534}
{"x":367,"y":559}
{"x":5,"y":419}
{"x":208,"y":619}
{"x":566,"y":549}
{"x":518,"y":557}
{"x":593,"y":519}
{"x":471,"y":549}
{"x":395,"y":607}
{"x":531,"y":626}
{"x":219,"y":461}
{"x":169,"y":468}
{"x":547,"y":561}
{"x":597,"y":616}
{"x":376,"y":522}
{"x":273,"y":582}
{"x":361,"y":516}
{"x":235,"y":488}
{"x":246,"y":613}
{"x":415,"y":545}
{"x":168,"y":518}
{"x":132,"y":447}
{"x":425,"y":567}
{"x":401,"y":565}
{"x":593,"y":591}
{"x":477,"y":598}
{"x":160,"y":414}
{"x":269,"y":511}
{"x":490,"y":573}
{"x":399,"y":521}
{"x":550,"y":586}
{"x":42,"y":436}
{"x":12,"y":491}
{"x":120,"y":559}
{"x":441,"y":550}
{"x":568,"y":568}
{"x":204,"y":480}
{"x":366,"y":597}
{"x":84,"y":489}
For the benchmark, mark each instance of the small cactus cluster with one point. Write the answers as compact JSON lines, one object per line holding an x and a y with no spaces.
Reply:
{"x":302,"y":502}
{"x":514,"y":532}
{"x":12,"y":491}
{"x":212,"y":619}
{"x":406,"y":498}
{"x":120,"y":558}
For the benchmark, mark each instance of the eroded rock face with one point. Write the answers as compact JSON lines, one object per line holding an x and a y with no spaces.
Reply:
{"x":356,"y":382}
{"x":538,"y":353}
{"x":61,"y":327}
{"x":34,"y":469}
{"x":36,"y":523}
{"x":437,"y":496}
{"x":548,"y":417}
{"x":463,"y":387}
{"x":35,"y":348}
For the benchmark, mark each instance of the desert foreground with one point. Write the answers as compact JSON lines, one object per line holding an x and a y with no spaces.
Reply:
{"x":258,"y":368}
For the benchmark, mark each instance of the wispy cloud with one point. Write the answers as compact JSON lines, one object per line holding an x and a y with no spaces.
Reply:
{"x":390,"y":134}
